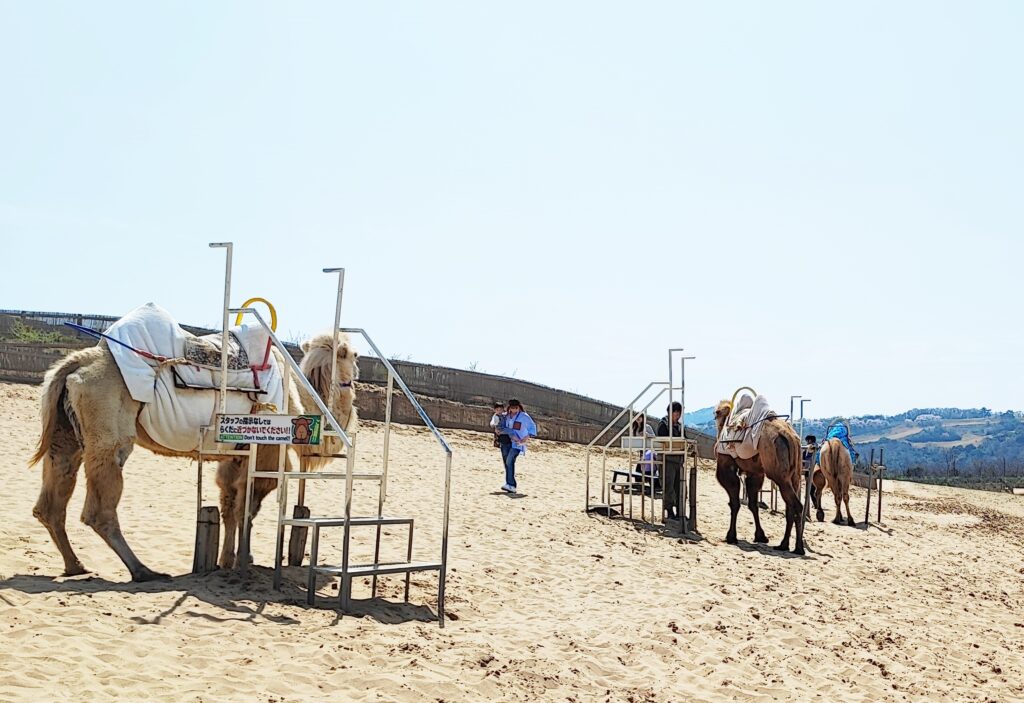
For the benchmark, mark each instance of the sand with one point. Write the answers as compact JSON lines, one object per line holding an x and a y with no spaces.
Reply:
{"x":544,"y":601}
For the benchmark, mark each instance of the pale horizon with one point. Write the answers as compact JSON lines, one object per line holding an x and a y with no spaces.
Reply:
{"x":638,"y":179}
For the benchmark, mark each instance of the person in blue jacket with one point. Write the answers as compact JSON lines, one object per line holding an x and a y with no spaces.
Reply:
{"x":519,"y":427}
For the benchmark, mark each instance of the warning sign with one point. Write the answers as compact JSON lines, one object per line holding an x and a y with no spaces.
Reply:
{"x":269,"y":429}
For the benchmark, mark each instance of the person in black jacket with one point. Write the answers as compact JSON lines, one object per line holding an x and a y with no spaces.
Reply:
{"x":673,"y":462}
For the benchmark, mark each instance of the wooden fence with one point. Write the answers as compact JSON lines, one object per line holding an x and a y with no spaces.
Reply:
{"x":453,"y":398}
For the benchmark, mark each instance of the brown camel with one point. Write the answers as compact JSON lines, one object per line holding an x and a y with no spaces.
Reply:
{"x":231,"y":473}
{"x":778,"y":458}
{"x":89,"y":416}
{"x":835,"y":469}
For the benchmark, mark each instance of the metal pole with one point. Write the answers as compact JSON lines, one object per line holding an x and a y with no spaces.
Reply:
{"x":871,"y":480}
{"x":382,"y":489}
{"x":668,"y":420}
{"x":345,"y":592}
{"x":684,"y":482}
{"x":881,"y":470}
{"x":804,"y":400}
{"x":604,"y":476}
{"x":224,"y":324}
{"x":587,"y":502}
{"x":334,"y":332}
{"x":444,"y":539}
{"x":199,"y":498}
{"x":810,"y":469}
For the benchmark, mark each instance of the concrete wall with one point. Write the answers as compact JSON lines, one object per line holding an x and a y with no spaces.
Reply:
{"x":27,"y":363}
{"x":474,"y":388}
{"x":453,"y":398}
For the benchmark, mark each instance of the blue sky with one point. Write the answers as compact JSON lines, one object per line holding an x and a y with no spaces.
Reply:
{"x":813,"y":198}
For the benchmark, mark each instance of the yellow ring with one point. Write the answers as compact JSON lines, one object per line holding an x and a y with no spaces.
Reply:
{"x":741,"y":388}
{"x":273,"y":312}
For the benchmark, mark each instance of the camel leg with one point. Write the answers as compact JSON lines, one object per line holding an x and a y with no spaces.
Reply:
{"x":261,"y":487}
{"x":849,"y":513}
{"x":783,"y":546}
{"x":794,"y":514}
{"x":228,"y":473}
{"x":838,"y":520}
{"x":817,"y":489}
{"x":104,"y":484}
{"x":753,"y":484}
{"x":730,"y":481}
{"x":60,"y":472}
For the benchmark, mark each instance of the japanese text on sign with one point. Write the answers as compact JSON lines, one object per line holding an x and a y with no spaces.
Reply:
{"x":269,"y":429}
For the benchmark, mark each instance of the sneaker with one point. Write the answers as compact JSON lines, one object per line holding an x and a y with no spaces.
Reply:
{"x":507,"y":488}
{"x":512,"y":490}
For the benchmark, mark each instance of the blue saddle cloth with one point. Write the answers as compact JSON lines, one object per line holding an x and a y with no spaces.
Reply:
{"x":839,"y":432}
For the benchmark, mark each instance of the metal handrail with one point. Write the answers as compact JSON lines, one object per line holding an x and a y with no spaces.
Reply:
{"x":625,"y":410}
{"x":642,"y":410}
{"x":299,"y":375}
{"x":401,"y":384}
{"x":393,"y":374}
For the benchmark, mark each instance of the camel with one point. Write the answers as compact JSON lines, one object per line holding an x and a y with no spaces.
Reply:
{"x":778,"y":458}
{"x":88,"y":415}
{"x":835,"y":469}
{"x":231,"y":473}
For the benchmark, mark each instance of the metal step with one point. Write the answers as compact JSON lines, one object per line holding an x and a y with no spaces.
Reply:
{"x":403,"y":567}
{"x":340,"y":521}
{"x":313,"y":475}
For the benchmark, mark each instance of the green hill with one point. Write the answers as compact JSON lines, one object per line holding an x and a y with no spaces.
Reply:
{"x":928,"y":441}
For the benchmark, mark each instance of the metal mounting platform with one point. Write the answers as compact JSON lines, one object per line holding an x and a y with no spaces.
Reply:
{"x":405,"y":567}
{"x":340,"y":521}
{"x":315,"y":475}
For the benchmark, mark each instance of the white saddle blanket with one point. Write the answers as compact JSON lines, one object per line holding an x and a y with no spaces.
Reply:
{"x":742,"y":429}
{"x":171,"y":415}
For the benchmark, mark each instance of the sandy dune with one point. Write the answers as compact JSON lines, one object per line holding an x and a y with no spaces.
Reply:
{"x":545,"y":603}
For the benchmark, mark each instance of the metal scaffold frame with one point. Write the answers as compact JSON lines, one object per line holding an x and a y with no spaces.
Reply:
{"x":670,"y":445}
{"x":332,"y":428}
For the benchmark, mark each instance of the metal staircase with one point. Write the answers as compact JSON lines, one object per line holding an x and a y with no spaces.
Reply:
{"x":345,"y":569}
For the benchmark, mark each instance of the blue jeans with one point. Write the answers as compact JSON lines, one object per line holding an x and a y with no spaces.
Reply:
{"x":510,"y":455}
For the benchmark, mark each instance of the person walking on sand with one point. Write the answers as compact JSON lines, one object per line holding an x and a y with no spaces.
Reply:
{"x":518,"y":427}
{"x":501,"y":441}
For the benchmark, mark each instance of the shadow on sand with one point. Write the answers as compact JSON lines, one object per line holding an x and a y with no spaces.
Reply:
{"x":771,"y":551}
{"x":240,"y":598}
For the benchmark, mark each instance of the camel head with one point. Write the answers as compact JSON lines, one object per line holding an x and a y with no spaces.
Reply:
{"x":722,"y":414}
{"x":316,"y":363}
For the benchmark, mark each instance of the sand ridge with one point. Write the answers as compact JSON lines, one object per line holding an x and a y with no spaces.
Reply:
{"x":544,"y":601}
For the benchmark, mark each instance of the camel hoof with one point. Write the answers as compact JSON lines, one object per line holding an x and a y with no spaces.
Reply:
{"x":730,"y":539}
{"x":820,"y":515}
{"x":784,"y":547}
{"x":149,"y":575}
{"x":799,"y":550}
{"x":851,"y":522}
{"x":837,"y":521}
{"x":76,"y":570}
{"x":761,"y":539}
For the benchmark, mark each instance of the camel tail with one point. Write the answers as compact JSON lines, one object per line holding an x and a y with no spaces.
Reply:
{"x":53,"y":388}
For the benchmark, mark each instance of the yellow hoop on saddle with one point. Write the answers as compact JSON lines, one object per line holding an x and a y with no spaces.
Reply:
{"x":273,"y":312}
{"x":736,"y":394}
